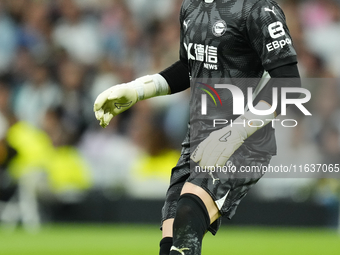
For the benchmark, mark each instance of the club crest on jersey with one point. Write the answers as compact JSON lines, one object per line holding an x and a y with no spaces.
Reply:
{"x":219,"y":28}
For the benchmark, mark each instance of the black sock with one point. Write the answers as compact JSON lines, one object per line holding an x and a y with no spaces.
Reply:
{"x":165,"y":246}
{"x":191,"y":222}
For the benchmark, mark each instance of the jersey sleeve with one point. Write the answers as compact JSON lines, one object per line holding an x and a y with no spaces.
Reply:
{"x":269,"y":35}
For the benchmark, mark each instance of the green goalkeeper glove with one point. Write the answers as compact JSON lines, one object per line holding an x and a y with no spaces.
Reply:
{"x":119,"y":98}
{"x":218,"y":147}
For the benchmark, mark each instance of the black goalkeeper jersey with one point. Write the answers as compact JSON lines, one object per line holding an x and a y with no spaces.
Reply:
{"x":232,"y":41}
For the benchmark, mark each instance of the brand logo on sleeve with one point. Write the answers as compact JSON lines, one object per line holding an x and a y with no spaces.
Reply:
{"x":270,"y":10}
{"x":186,"y":24}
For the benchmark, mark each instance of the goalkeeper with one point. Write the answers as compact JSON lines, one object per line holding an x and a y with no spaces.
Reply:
{"x":224,"y":40}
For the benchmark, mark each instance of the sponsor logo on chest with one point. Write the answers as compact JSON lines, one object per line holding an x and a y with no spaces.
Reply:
{"x":203,"y":53}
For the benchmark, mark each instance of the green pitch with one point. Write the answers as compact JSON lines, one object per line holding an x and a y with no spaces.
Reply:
{"x":143,"y":240}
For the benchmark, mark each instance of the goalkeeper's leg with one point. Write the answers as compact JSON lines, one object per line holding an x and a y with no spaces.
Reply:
{"x":171,"y":210}
{"x":195,"y":212}
{"x":210,"y":195}
{"x":167,"y":240}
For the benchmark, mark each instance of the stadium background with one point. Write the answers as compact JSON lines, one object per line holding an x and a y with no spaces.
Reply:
{"x":68,"y":186}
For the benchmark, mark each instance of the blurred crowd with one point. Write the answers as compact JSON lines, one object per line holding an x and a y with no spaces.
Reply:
{"x":57,"y":56}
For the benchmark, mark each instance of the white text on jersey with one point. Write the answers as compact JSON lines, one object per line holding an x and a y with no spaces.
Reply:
{"x":203,"y":53}
{"x":278,"y":44}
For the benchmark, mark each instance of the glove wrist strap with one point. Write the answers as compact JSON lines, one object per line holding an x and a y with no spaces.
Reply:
{"x":150,"y":86}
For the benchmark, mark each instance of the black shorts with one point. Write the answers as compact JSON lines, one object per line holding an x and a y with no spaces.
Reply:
{"x":227,"y":190}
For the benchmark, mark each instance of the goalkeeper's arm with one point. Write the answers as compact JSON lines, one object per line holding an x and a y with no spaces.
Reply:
{"x":217,"y":148}
{"x":119,"y":98}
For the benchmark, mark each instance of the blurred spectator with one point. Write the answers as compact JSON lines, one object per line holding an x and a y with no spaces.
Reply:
{"x":165,"y":45}
{"x":75,"y":106}
{"x":325,"y":105}
{"x":113,"y":27}
{"x":16,"y":9}
{"x":106,"y":77}
{"x":149,"y":176}
{"x":319,"y":13}
{"x":35,"y":32}
{"x":146,"y":12}
{"x":36,"y":96}
{"x":312,"y":65}
{"x":22,"y":67}
{"x":53,"y":125}
{"x":6,"y":111}
{"x":110,"y":156}
{"x":77,"y":34}
{"x":323,"y":21}
{"x":330,"y":145}
{"x":8,"y":40}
